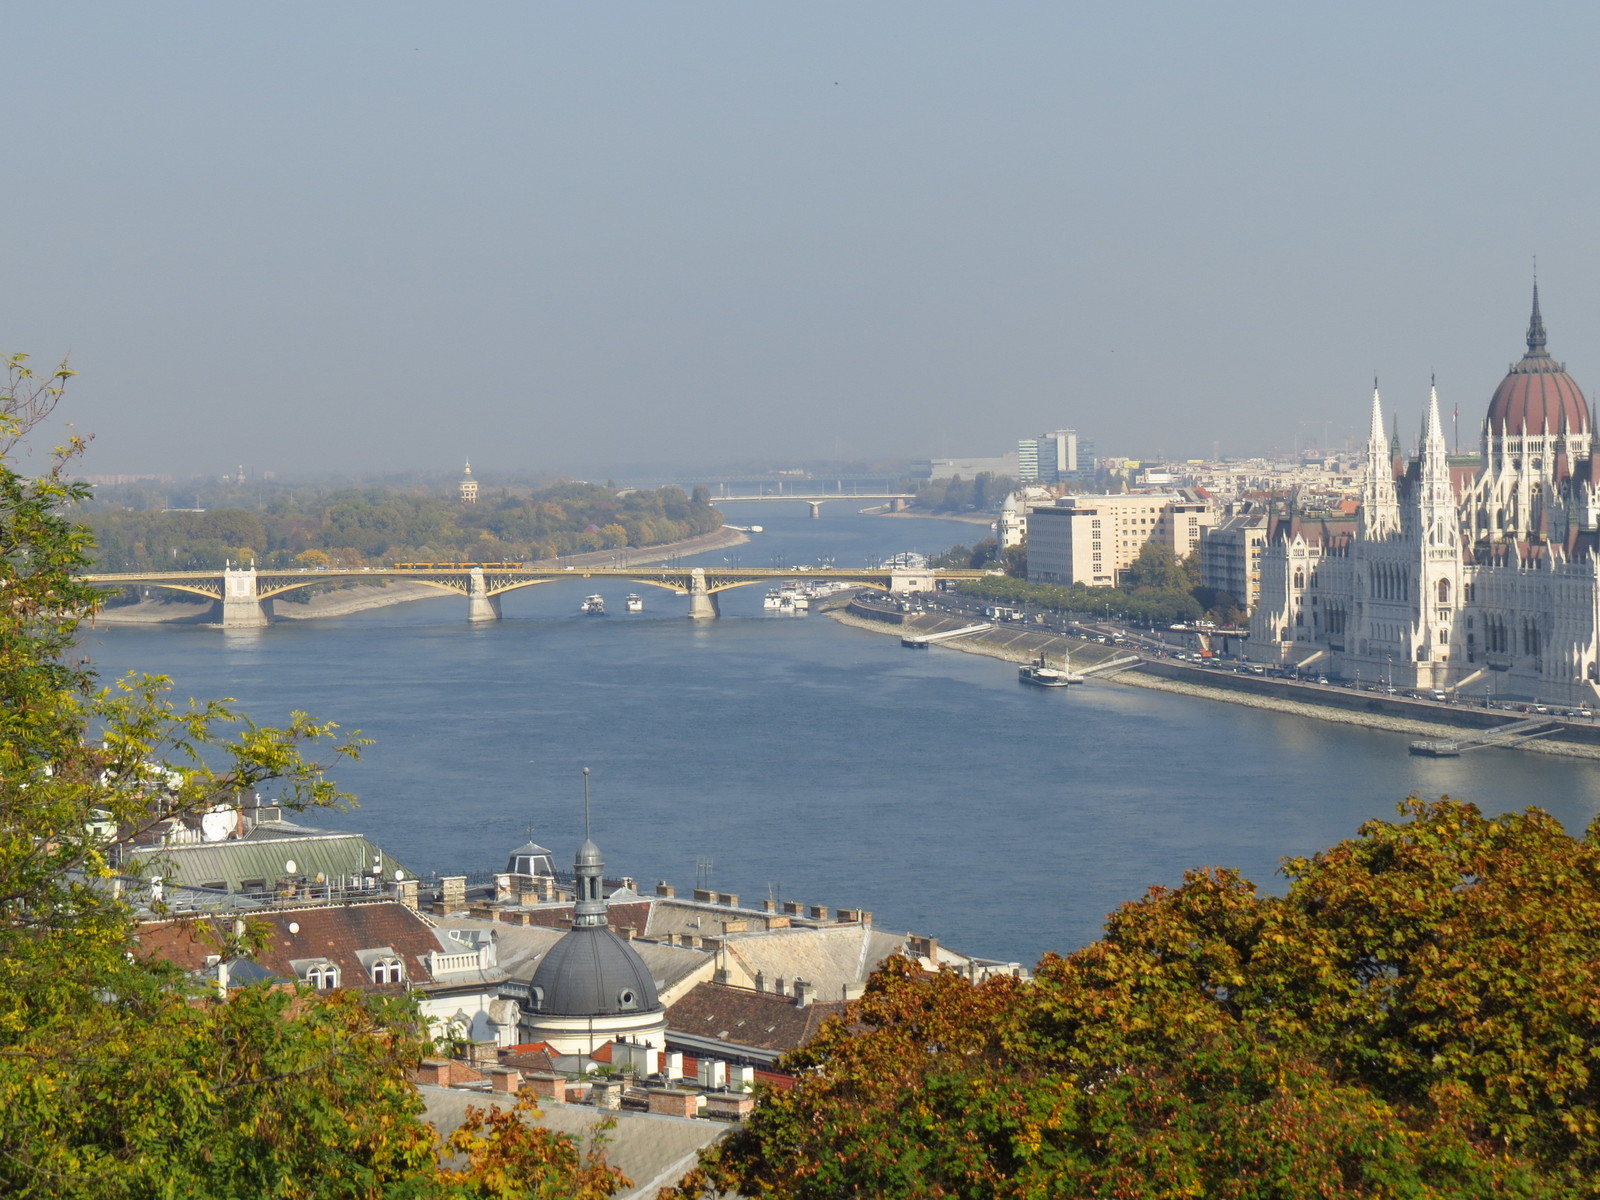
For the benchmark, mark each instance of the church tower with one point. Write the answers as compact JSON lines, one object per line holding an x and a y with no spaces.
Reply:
{"x":592,"y":987}
{"x":468,"y":486}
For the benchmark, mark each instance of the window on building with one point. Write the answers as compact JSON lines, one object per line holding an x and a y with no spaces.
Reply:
{"x":388,"y":970}
{"x":324,"y":977}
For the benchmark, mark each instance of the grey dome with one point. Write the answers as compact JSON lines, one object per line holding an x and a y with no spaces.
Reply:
{"x":591,"y":972}
{"x":589,"y":855}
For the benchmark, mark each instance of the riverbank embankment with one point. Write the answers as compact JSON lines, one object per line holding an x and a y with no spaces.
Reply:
{"x":342,"y":601}
{"x":1416,"y":719}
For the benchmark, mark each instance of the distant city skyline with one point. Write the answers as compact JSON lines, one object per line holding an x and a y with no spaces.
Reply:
{"x":599,"y":240}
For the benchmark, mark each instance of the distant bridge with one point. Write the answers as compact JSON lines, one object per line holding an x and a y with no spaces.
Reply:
{"x":243,"y":595}
{"x":897,"y":500}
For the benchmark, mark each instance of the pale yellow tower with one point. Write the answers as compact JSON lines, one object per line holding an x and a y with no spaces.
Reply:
{"x":469,"y":486}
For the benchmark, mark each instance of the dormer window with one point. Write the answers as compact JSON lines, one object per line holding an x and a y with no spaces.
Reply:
{"x":324,"y":977}
{"x":388,"y":970}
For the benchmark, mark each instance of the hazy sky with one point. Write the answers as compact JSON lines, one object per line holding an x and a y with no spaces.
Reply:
{"x":584,"y":236}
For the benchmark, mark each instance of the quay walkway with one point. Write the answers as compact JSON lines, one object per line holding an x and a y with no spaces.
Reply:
{"x":1511,"y":734}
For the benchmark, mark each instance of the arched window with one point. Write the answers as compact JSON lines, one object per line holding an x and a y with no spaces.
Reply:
{"x":1444,"y":591}
{"x":1299,"y":579}
{"x":388,"y":970}
{"x":324,"y":977}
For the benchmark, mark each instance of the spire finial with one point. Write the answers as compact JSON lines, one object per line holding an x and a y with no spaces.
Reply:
{"x":1536,"y":322}
{"x":586,"y":804}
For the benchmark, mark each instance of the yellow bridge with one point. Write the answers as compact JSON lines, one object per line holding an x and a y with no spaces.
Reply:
{"x":243,"y":595}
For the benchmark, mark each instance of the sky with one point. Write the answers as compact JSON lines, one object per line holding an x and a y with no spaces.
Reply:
{"x":610,"y":238}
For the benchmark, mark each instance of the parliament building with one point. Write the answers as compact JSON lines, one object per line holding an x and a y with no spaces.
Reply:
{"x":1480,"y":581}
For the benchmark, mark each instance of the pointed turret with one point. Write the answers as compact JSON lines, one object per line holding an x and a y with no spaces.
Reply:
{"x":1536,"y":326}
{"x":1380,"y":512}
{"x":1433,"y":443}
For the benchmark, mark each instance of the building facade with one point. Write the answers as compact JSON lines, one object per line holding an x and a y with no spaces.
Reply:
{"x":1056,"y":457}
{"x":1479,"y":582}
{"x":1230,"y":556}
{"x":1092,"y":539}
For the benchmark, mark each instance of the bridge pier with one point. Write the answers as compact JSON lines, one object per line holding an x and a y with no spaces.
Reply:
{"x":241,"y":604}
{"x":481,"y":606}
{"x":816,"y":509}
{"x":702,"y":600}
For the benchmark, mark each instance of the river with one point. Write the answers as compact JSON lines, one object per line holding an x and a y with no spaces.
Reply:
{"x":798,"y":758}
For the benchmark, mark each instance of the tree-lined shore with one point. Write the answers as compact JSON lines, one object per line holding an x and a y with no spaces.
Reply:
{"x":368,"y":527}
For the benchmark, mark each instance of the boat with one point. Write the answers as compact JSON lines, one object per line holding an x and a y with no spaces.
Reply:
{"x":593,"y":606}
{"x":1041,"y":674}
{"x":772,"y":600}
{"x":632,"y":603}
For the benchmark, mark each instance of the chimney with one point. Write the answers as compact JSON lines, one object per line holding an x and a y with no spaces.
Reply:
{"x":505,"y":1079}
{"x":452,"y":894}
{"x":405,"y":891}
{"x":794,"y":908}
{"x":703,"y":896}
{"x":770,"y":906}
{"x":761,"y":981}
{"x":666,"y":889}
{"x":802,"y":994}
{"x":728,"y":899}
{"x":819,"y":912}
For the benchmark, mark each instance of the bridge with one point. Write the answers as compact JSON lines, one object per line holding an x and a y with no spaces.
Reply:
{"x":897,"y":500}
{"x":243,"y":595}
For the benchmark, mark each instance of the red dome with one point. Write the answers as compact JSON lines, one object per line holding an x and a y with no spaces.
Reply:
{"x":1527,"y":403}
{"x":1538,"y":394}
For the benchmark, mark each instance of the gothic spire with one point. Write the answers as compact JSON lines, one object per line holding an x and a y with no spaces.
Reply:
{"x":1375,"y":437}
{"x":1536,"y":326}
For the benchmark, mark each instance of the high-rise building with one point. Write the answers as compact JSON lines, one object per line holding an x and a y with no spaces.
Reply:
{"x":1056,"y":457}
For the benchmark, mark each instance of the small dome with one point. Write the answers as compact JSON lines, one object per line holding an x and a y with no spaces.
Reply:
{"x":1537,"y":394}
{"x":589,"y":855}
{"x":591,"y":972}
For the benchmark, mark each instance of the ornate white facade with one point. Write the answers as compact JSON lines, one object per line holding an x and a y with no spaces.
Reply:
{"x":1481,"y":583}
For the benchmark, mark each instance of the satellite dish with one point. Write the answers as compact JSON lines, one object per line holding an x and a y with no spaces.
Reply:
{"x":294,"y":926}
{"x":217,"y":824}
{"x":399,"y":874}
{"x":288,"y":867}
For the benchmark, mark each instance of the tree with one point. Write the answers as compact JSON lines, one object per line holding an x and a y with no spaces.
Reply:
{"x":119,"y":1076}
{"x":1416,"y":1016}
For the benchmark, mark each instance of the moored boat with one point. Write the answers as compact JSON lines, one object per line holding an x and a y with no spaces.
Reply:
{"x":1041,"y":674}
{"x":593,"y":606}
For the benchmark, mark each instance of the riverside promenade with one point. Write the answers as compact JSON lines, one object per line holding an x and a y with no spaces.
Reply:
{"x":1345,"y":706}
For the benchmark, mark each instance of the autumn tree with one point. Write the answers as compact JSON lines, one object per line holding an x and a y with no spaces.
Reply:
{"x":1417,"y":1016}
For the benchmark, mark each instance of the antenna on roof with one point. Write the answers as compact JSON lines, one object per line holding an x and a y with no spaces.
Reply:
{"x":586,"y":804}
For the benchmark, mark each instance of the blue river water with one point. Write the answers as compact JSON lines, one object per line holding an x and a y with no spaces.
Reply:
{"x":806,"y":760}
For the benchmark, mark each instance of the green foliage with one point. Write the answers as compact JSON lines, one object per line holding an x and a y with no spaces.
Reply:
{"x":378,"y":526}
{"x":1144,"y":608}
{"x":1416,"y":1017}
